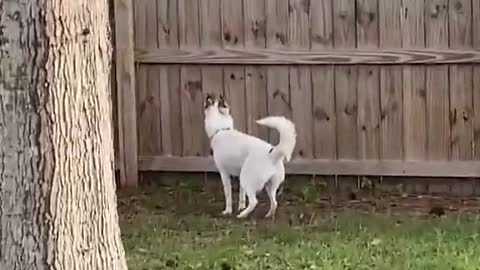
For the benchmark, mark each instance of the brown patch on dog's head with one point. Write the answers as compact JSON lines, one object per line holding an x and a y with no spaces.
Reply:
{"x":209,"y":101}
{"x":223,"y":105}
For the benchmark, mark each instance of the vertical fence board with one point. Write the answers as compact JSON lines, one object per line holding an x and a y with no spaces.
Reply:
{"x":234,"y":76}
{"x":345,"y":81}
{"x":323,"y":87}
{"x":300,"y":77}
{"x":476,"y":77}
{"x":149,"y":94}
{"x":169,"y":80}
{"x":125,"y":75}
{"x":414,"y":95}
{"x":436,"y":35}
{"x":461,"y":95}
{"x":211,"y":37}
{"x":254,"y":26}
{"x":191,"y":81}
{"x":437,"y":98}
{"x":277,"y":76}
{"x":141,"y":70}
{"x":345,"y":90}
{"x":391,"y":83}
{"x":368,"y":92}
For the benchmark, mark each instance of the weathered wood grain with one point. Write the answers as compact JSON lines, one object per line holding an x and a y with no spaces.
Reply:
{"x":323,"y":87}
{"x":169,"y":80}
{"x":234,"y":76}
{"x":211,"y":37}
{"x":414,"y":93}
{"x":437,"y":99}
{"x":254,"y":27}
{"x":344,"y":27}
{"x":459,"y":169}
{"x":461,"y":82}
{"x":391,"y":82}
{"x":300,"y":78}
{"x":148,"y":91}
{"x":476,"y":83}
{"x":368,"y":92}
{"x":190,"y":81}
{"x":278,"y":82}
{"x":126,"y":98}
{"x":277,"y":56}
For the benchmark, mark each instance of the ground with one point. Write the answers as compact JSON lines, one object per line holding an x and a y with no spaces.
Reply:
{"x":179,"y":227}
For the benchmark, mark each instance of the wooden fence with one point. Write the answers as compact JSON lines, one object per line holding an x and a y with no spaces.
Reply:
{"x":377,"y":88}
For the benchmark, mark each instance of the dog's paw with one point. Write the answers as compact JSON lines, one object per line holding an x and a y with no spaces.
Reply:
{"x":241,"y":207}
{"x":226,"y":212}
{"x":242,"y":215}
{"x":269,"y":215}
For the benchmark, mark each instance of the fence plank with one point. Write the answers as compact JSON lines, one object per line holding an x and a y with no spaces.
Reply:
{"x":211,"y":37}
{"x":148,"y":88}
{"x":345,"y":81}
{"x":191,"y":81}
{"x":346,"y":90}
{"x":169,"y":80}
{"x":254,"y":28}
{"x":461,"y":92}
{"x":437,"y":99}
{"x":277,"y":76}
{"x":234,"y":76}
{"x":141,"y":70}
{"x":476,"y":77}
{"x":391,"y":83}
{"x":323,"y":87}
{"x":300,"y":78}
{"x":368,"y":92}
{"x":476,"y":100}
{"x":125,"y":74}
{"x":414,"y":96}
{"x":436,"y":35}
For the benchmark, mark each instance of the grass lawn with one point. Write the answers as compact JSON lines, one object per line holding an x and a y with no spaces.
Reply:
{"x":179,"y":229}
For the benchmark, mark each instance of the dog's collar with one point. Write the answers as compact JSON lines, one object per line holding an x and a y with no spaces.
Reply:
{"x":217,"y":131}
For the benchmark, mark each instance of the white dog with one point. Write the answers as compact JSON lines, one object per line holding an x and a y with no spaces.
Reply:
{"x":256,"y":162}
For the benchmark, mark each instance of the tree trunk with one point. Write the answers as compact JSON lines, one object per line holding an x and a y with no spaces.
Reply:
{"x":57,"y":189}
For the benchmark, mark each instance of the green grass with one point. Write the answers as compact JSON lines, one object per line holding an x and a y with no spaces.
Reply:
{"x":158,"y":237}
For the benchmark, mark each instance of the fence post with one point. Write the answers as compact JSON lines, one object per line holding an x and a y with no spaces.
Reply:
{"x":125,"y":73}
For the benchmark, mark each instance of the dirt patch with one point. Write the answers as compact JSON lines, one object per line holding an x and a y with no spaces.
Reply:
{"x":296,"y":206}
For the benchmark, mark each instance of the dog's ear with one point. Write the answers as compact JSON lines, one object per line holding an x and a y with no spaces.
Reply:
{"x":223,"y":105}
{"x":209,"y":100}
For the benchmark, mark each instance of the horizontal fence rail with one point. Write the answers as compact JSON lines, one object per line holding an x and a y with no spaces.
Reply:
{"x":460,"y":169}
{"x":245,"y":56}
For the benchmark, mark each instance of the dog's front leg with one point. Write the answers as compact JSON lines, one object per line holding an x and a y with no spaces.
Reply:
{"x":227,"y":190}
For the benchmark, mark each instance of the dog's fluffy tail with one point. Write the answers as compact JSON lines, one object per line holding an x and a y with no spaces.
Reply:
{"x":288,"y":136}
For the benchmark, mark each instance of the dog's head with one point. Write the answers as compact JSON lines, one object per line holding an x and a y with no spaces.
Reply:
{"x":217,"y":114}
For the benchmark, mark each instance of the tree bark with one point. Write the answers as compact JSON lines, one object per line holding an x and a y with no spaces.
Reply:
{"x":57,"y":189}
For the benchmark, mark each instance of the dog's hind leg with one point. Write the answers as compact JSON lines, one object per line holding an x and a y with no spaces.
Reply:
{"x":227,"y":190}
{"x":242,"y":197}
{"x":251,"y":187}
{"x":271,"y":188}
{"x":252,"y":203}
